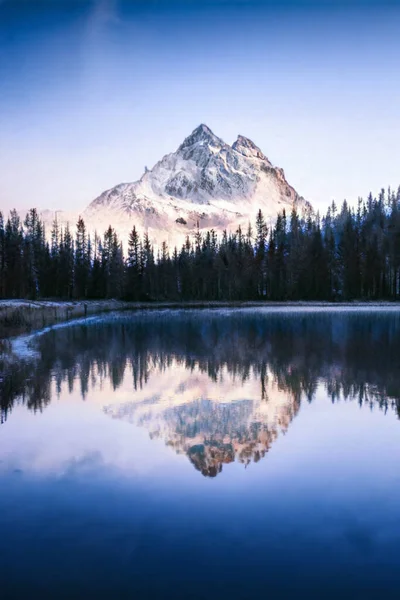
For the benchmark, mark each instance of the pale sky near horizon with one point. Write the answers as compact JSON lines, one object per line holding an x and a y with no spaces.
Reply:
{"x":92,"y":91}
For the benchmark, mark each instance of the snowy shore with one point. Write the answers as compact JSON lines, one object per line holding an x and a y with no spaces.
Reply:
{"x":23,"y":316}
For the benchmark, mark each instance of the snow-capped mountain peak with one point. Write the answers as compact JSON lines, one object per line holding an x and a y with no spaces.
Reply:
{"x":201,"y":135}
{"x":248,"y":148}
{"x":204,"y":181}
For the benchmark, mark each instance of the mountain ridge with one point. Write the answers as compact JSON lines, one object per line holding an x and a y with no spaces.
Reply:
{"x":206,"y":184}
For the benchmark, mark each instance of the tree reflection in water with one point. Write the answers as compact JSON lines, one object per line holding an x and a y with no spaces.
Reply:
{"x":217,"y":386}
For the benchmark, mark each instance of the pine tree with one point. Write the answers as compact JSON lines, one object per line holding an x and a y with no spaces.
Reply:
{"x":13,"y":258}
{"x":133,"y":267}
{"x":261,"y":238}
{"x":66,"y":264}
{"x":82,"y":261}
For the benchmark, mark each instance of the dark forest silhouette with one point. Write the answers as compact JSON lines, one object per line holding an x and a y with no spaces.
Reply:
{"x":346,"y":254}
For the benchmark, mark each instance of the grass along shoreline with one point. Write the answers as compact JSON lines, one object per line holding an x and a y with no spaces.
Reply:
{"x":23,"y":316}
{"x":19,"y":317}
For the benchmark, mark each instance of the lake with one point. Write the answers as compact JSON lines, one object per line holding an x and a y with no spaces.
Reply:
{"x":204,"y":454}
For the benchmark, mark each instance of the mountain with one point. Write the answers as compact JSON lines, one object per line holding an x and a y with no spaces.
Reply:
{"x":211,"y":422}
{"x":206,"y":181}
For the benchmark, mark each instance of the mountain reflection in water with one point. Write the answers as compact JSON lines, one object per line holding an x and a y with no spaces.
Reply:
{"x":217,"y":386}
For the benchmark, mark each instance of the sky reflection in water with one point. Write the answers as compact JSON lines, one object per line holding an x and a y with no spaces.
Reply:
{"x":209,"y":452}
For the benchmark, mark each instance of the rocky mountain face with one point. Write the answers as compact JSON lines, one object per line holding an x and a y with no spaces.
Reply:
{"x":206,"y":181}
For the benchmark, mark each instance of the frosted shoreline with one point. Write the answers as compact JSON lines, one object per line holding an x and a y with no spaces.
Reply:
{"x":19,"y":317}
{"x":33,"y":319}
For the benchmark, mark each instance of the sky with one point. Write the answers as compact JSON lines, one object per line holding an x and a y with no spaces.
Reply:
{"x":92,"y":91}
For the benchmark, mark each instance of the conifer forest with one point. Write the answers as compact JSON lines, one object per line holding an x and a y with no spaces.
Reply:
{"x":346,"y":254}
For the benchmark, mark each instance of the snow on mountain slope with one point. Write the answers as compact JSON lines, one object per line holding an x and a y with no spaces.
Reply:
{"x":205,"y":181}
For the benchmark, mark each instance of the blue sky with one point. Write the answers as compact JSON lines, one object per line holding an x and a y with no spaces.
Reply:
{"x":91,"y":92}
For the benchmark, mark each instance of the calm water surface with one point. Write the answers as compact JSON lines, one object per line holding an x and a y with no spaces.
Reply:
{"x":204,"y":454}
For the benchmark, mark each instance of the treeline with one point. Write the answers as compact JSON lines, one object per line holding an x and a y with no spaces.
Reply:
{"x":346,"y":254}
{"x":292,"y":353}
